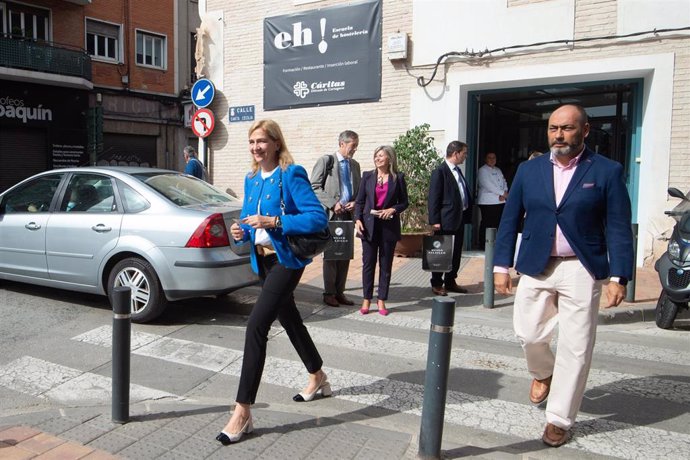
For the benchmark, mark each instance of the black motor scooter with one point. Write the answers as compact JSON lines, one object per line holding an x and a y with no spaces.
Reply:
{"x":674,"y":265}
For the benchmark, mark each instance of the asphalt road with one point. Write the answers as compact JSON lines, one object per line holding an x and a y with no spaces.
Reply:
{"x":56,"y":352}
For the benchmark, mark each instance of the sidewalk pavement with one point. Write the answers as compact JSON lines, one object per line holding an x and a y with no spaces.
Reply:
{"x":180,"y":430}
{"x":410,"y":282}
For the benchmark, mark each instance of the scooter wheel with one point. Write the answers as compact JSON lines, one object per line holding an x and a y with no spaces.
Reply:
{"x":666,"y":311}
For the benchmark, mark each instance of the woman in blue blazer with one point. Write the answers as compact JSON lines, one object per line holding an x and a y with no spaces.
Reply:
{"x":381,"y":198}
{"x":265,"y":226}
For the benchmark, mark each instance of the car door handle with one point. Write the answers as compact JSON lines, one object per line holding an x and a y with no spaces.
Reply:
{"x":100,"y":228}
{"x":32,"y":226}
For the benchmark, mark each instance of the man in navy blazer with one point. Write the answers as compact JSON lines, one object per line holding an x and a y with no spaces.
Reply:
{"x":577,"y":233}
{"x":450,"y":207}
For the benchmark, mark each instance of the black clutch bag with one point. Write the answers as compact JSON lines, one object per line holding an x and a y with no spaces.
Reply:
{"x":309,"y":245}
{"x":306,"y":245}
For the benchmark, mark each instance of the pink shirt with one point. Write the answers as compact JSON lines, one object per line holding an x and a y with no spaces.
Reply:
{"x":562,"y":175}
{"x":381,"y":191}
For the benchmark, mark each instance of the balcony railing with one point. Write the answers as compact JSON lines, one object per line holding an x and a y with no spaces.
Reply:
{"x":22,"y":53}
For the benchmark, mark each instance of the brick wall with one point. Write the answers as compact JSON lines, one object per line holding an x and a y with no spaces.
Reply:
{"x":155,"y":16}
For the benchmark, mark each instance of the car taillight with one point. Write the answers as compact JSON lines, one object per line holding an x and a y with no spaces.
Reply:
{"x":210,"y":234}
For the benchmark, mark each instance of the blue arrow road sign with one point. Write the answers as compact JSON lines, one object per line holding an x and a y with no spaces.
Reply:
{"x":203,"y":92}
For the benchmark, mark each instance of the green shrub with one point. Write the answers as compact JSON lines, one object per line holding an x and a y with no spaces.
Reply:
{"x":417,"y":158}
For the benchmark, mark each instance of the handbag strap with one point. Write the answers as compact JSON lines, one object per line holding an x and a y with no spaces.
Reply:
{"x":280,"y":187}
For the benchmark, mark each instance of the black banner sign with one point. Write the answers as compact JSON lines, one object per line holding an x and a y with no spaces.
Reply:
{"x":325,"y":56}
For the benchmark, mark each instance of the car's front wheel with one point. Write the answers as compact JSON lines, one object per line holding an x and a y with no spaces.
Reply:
{"x":666,"y":311}
{"x":147,"y":299}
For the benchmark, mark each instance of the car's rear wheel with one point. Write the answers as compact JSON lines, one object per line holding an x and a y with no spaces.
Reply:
{"x":147,"y":300}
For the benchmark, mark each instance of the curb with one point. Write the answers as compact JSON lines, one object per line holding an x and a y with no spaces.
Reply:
{"x":626,"y":315}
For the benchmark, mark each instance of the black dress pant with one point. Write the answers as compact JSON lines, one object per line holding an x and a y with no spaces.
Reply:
{"x":491,"y":217}
{"x":276,"y":300}
{"x":438,"y":279}
{"x":384,"y":250}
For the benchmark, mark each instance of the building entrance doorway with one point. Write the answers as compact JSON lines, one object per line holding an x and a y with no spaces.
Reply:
{"x":513,"y":123}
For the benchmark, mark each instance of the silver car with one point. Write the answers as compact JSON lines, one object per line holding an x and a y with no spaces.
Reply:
{"x":162,"y":233}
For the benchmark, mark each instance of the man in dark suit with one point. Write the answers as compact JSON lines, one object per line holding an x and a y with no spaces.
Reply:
{"x":335,"y":180}
{"x":450,"y":207}
{"x":577,"y":232}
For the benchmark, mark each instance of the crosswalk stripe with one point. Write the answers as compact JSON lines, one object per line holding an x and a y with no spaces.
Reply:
{"x":614,"y":382}
{"x":66,"y":385}
{"x":482,"y":331}
{"x":592,"y":434}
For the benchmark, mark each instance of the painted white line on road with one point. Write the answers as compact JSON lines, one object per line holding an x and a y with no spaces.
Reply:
{"x":462,"y":409}
{"x":614,"y":382}
{"x":208,"y":357}
{"x":66,"y":385}
{"x":631,"y":351}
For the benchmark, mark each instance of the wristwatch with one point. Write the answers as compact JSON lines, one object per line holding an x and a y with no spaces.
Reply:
{"x":279,"y":223}
{"x":619,"y":279}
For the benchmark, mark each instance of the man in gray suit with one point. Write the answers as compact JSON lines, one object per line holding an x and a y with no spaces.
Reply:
{"x":335,"y":179}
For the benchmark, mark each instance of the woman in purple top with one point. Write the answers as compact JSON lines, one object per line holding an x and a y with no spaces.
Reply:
{"x":381,"y":198}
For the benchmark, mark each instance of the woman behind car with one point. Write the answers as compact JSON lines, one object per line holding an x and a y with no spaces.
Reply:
{"x":274,"y":178}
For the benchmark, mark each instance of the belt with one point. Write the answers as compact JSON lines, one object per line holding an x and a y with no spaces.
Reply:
{"x":264,"y":250}
{"x":563,"y":257}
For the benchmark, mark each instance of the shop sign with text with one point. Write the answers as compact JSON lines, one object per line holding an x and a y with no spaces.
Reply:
{"x":325,"y":56}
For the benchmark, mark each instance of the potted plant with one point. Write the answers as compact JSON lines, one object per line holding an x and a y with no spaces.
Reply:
{"x":417,"y":157}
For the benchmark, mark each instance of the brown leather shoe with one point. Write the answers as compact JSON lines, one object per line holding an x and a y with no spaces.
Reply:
{"x":555,"y":436}
{"x":342,"y":300}
{"x":439,"y":290}
{"x":329,"y":299}
{"x":539,"y":390}
{"x":455,"y":288}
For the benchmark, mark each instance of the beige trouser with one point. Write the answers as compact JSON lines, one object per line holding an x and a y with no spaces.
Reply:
{"x":566,"y":294}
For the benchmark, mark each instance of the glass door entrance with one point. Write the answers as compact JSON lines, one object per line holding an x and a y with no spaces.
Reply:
{"x":512,"y":123}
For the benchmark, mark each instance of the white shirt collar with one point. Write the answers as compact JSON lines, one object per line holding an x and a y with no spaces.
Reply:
{"x":264,"y":175}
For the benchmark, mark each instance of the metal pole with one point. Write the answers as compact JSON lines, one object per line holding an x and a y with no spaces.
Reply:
{"x":630,"y":293}
{"x":122,"y":326}
{"x":436,"y":381}
{"x":490,"y":241}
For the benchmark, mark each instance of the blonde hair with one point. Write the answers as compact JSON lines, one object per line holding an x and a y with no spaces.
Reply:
{"x":392,"y":159}
{"x":273,"y":131}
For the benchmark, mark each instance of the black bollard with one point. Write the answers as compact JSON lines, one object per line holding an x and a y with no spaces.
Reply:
{"x":122,"y":326}
{"x":436,"y":381}
{"x":489,"y":267}
{"x":630,"y":293}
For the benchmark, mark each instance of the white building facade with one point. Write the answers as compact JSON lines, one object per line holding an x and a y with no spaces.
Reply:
{"x":489,"y":73}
